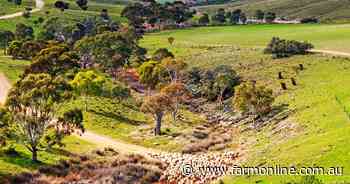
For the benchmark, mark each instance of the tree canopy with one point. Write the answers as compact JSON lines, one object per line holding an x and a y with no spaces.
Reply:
{"x":32,"y":102}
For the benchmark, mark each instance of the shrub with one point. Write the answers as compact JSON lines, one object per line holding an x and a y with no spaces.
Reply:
{"x":204,"y":19}
{"x":162,"y":53}
{"x":212,"y":84}
{"x":309,"y":20}
{"x":253,"y":99}
{"x":280,"y":48}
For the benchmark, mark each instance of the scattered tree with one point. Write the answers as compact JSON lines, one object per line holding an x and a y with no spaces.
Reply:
{"x":204,"y":19}
{"x":259,"y":14}
{"x":151,"y":73}
{"x":68,"y":123}
{"x":110,"y":50}
{"x":178,"y":94}
{"x":156,"y":105}
{"x":61,"y":5}
{"x":82,"y":4}
{"x":235,"y":16}
{"x":270,"y":17}
{"x":5,"y":39}
{"x":88,"y":83}
{"x":220,"y":16}
{"x":173,"y":67}
{"x":24,"y":32}
{"x":171,"y":40}
{"x":54,"y":60}
{"x":253,"y":99}
{"x":32,"y":103}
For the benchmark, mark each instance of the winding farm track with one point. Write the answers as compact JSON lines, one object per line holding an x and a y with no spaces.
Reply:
{"x":103,"y":141}
{"x":330,"y":52}
{"x":39,"y":5}
{"x":100,"y":140}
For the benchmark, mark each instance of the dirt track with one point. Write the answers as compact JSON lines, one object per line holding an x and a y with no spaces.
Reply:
{"x":330,"y":52}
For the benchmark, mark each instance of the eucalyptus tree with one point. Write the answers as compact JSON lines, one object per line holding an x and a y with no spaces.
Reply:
{"x":157,"y":105}
{"x":5,"y":39}
{"x":33,"y":102}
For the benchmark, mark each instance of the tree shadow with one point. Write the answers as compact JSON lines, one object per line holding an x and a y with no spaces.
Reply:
{"x":22,"y":160}
{"x":62,"y":152}
{"x":280,"y":108}
{"x":118,"y":117}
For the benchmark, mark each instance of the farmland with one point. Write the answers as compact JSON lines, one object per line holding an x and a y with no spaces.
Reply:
{"x":10,"y":7}
{"x":323,"y":36}
{"x":326,"y":11}
{"x":315,"y":131}
{"x":320,"y":101}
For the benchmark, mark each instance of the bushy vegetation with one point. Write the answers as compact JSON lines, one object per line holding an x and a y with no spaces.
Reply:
{"x":81,"y":63}
{"x":213,"y":84}
{"x":99,"y":166}
{"x":254,"y":99}
{"x":280,"y":48}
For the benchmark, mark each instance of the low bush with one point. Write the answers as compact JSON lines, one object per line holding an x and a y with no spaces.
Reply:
{"x":216,"y":84}
{"x":280,"y":48}
{"x":123,"y":169}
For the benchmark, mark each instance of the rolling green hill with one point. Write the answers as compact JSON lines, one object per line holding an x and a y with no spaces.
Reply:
{"x":325,"y":10}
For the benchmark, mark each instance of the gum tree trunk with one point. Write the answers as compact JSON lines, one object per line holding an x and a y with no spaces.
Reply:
{"x":158,"y":118}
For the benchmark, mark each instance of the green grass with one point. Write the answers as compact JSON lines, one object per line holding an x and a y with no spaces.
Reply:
{"x":322,"y":9}
{"x":12,"y":68}
{"x":325,"y":125}
{"x":13,"y":165}
{"x":321,"y":100}
{"x":331,"y":37}
{"x":22,"y":163}
{"x":11,"y":7}
{"x":73,"y":13}
{"x":122,"y":120}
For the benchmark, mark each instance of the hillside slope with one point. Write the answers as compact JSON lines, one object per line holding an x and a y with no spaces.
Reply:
{"x":326,"y":10}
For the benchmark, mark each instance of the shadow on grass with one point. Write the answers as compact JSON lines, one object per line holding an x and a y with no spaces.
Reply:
{"x":62,"y":152}
{"x":21,"y":160}
{"x":24,"y":160}
{"x":118,"y":117}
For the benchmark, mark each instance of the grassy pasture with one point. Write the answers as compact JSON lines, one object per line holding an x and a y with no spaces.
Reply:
{"x":122,"y":120}
{"x":12,"y":68}
{"x":320,"y":102}
{"x":323,"y":36}
{"x":11,"y":7}
{"x":21,"y":163}
{"x":73,"y":13}
{"x":322,"y":9}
